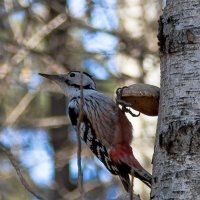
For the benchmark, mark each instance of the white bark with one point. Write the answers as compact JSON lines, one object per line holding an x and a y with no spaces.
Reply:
{"x":126,"y":196}
{"x":177,"y":152}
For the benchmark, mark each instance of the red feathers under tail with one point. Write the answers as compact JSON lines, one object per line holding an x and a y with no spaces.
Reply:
{"x":124,"y":154}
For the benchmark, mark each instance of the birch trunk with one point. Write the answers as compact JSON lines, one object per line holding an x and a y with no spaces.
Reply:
{"x":177,"y":152}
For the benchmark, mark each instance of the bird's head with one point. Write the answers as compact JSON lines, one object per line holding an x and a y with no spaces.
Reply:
{"x":71,"y":82}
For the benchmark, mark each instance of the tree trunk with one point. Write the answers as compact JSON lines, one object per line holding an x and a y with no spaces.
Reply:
{"x":176,"y":161}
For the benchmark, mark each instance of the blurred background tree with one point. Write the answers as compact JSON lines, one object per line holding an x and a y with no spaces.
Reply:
{"x":113,"y":40}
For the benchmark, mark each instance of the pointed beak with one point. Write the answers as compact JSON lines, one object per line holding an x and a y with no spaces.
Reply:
{"x":56,"y":78}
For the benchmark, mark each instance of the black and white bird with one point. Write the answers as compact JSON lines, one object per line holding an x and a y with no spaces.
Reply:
{"x":104,"y":127}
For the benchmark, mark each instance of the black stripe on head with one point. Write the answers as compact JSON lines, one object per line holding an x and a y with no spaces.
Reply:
{"x":87,"y":74}
{"x":77,"y":86}
{"x":80,"y":72}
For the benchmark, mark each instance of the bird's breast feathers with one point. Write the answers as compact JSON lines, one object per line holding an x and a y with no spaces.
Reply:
{"x":100,"y":110}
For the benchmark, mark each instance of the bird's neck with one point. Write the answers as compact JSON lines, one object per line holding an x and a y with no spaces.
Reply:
{"x":75,"y":92}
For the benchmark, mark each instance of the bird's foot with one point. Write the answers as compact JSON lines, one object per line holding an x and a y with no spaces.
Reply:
{"x":125,"y":109}
{"x":119,"y":100}
{"x":123,"y":103}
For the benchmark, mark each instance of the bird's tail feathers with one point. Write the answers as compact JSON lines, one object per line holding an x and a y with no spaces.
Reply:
{"x":137,"y":170}
{"x":124,"y":154}
{"x":125,"y":181}
{"x":142,"y":174}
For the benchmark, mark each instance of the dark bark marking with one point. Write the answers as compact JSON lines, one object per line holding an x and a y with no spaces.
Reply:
{"x":191,"y":36}
{"x":161,"y":36}
{"x":181,"y":138}
{"x":171,"y":40}
{"x":155,"y":179}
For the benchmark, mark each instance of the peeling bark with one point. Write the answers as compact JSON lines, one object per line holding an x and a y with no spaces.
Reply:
{"x":177,"y":151}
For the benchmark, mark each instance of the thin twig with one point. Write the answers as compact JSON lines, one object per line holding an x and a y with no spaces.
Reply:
{"x":18,"y":171}
{"x":131,"y":186}
{"x":80,"y":118}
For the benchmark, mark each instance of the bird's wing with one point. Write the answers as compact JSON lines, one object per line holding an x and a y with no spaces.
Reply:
{"x":88,"y":135}
{"x":101,"y":111}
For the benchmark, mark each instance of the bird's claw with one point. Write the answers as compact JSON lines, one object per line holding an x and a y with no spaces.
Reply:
{"x":123,"y":103}
{"x":119,"y":100}
{"x":119,"y":92}
{"x":125,"y":109}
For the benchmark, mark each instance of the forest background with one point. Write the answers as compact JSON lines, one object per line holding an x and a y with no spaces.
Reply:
{"x":116,"y":42}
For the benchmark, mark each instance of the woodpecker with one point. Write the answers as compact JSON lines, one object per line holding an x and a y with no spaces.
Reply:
{"x":104,"y":127}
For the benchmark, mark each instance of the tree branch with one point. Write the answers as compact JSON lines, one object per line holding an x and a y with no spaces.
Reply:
{"x":18,"y":171}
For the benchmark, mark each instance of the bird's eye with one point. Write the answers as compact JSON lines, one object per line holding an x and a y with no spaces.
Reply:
{"x":72,"y":75}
